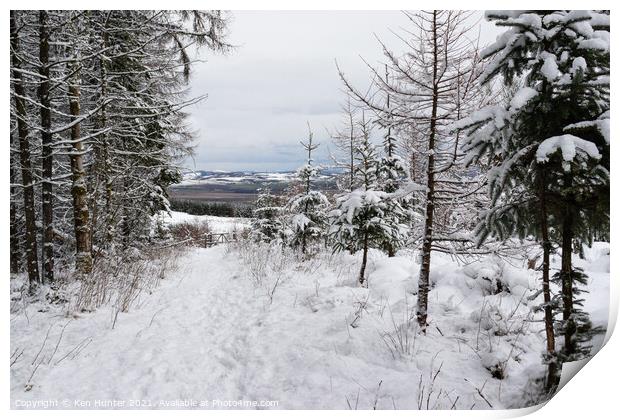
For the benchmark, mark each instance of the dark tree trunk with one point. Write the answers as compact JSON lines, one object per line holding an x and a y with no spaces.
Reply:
{"x":552,"y":374}
{"x":427,"y":241}
{"x":32,"y":262}
{"x":125,"y":226}
{"x":47,"y":197}
{"x":103,"y":155}
{"x":109,"y":189}
{"x":364,"y":259}
{"x":566,"y":274}
{"x":14,"y":240}
{"x":81,"y":215}
{"x":389,"y":248}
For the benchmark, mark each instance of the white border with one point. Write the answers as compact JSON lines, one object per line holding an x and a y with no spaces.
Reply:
{"x":594,"y":394}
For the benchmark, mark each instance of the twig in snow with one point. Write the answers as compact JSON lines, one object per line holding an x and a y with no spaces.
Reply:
{"x":42,"y":345}
{"x":58,"y":342}
{"x":14,"y":358}
{"x":75,"y":350}
{"x":479,"y":390}
{"x":150,"y":323}
{"x":357,"y":399}
{"x":374,"y":407}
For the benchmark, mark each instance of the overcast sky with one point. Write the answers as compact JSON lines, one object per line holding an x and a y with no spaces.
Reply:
{"x":282,"y":75}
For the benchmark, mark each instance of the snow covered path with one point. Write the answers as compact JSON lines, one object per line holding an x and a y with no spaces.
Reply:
{"x":299,"y":333}
{"x":187,"y":341}
{"x":209,"y":333}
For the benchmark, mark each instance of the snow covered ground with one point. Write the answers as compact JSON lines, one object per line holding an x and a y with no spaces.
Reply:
{"x":246,"y":324}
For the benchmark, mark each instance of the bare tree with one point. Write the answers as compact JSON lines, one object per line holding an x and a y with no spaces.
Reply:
{"x":432,"y":85}
{"x":346,"y":139}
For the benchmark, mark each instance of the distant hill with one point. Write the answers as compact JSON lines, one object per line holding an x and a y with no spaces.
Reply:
{"x":239,"y":186}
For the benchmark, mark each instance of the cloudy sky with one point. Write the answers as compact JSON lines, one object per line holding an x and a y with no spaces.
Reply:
{"x":281,"y":76}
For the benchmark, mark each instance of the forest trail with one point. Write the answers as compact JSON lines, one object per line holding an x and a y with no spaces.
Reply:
{"x":188,"y":339}
{"x":211,"y":331}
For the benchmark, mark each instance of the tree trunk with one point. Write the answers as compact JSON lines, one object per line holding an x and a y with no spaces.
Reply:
{"x":47,"y":198}
{"x":14,"y":235}
{"x":351,"y":148}
{"x":364,"y":259}
{"x":552,"y":374}
{"x":427,"y":242}
{"x":32,"y":262}
{"x":105,"y":153}
{"x":566,"y":274}
{"x":83,"y":260}
{"x":389,"y":247}
{"x":125,"y":227}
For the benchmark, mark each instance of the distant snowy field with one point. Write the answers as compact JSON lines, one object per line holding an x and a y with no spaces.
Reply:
{"x":216,"y":223}
{"x":242,"y":322}
{"x":223,"y":177}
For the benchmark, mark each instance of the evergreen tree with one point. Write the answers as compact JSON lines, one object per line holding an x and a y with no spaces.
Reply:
{"x":542,"y":176}
{"x":309,"y":218}
{"x":267,"y":224}
{"x":19,"y":114}
{"x":392,"y":175}
{"x":98,"y":127}
{"x":359,"y":220}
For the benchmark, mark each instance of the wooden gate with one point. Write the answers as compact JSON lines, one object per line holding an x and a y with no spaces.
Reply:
{"x":212,"y":239}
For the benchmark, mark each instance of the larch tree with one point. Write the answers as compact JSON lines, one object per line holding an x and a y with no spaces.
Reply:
{"x":431,"y":86}
{"x":345,"y":139}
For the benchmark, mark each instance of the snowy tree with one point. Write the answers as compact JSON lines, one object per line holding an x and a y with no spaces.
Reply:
{"x":267,"y":224}
{"x":20,"y":112}
{"x":345,"y":139}
{"x":359,"y":221}
{"x":309,"y":219}
{"x":392,"y":176}
{"x":546,"y":172}
{"x":98,"y":127}
{"x":431,"y":85}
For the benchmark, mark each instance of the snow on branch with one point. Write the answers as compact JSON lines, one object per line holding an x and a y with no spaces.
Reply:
{"x":569,"y":145}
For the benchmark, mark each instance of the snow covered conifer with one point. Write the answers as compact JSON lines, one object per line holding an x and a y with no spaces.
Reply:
{"x":309,"y":218}
{"x":359,"y":220}
{"x":267,"y":225}
{"x":392,"y":174}
{"x":548,"y":148}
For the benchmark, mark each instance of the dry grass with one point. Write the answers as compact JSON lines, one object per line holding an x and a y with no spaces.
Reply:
{"x":191,"y":233}
{"x":121,"y":278}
